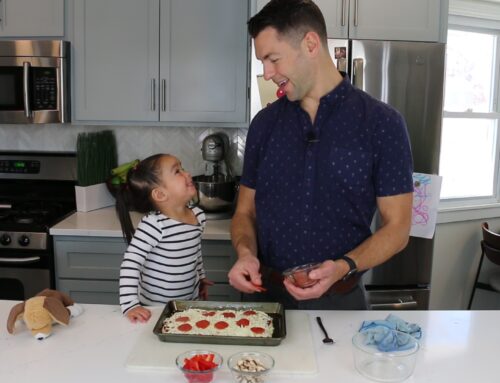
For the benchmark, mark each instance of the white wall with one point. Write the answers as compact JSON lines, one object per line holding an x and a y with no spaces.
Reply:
{"x":133,"y":141}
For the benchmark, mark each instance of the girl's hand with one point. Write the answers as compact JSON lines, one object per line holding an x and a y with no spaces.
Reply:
{"x":204,"y":283}
{"x":139,"y":314}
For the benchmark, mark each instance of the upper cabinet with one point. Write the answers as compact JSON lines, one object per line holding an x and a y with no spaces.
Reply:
{"x":31,"y":18}
{"x":161,"y":61}
{"x":412,"y":20}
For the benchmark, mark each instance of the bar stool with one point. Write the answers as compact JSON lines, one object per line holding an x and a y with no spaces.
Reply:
{"x":490,"y":246}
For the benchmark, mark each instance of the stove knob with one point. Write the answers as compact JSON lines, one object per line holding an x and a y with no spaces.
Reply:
{"x":24,"y":240}
{"x":5,"y":239}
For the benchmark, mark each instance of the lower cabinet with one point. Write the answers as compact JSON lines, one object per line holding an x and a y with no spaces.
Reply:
{"x":88,"y":268}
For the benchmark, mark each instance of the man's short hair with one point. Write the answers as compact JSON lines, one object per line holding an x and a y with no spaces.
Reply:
{"x":291,"y":18}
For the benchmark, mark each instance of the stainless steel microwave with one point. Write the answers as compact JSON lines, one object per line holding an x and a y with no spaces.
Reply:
{"x":34,"y":81}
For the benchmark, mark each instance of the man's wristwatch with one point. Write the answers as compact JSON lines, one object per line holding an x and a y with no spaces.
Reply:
{"x":353,"y":269}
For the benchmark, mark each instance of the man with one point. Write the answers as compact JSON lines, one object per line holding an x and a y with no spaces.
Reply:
{"x":318,"y":163}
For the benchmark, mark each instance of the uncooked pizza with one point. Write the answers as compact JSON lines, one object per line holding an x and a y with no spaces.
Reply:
{"x":250,"y":323}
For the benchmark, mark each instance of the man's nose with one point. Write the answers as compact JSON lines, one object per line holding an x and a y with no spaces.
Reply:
{"x":269,"y":71}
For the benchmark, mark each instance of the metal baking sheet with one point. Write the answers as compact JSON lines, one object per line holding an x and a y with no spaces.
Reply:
{"x":275,"y":310}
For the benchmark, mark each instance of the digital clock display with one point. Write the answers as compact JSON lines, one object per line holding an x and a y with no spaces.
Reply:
{"x":19,"y":164}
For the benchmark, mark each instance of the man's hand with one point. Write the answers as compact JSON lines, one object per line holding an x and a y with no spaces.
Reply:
{"x":139,"y":314}
{"x":327,"y":274}
{"x":204,"y":284}
{"x":245,"y":276}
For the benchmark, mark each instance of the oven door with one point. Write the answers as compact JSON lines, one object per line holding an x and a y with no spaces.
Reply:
{"x":30,"y":90}
{"x":23,"y":274}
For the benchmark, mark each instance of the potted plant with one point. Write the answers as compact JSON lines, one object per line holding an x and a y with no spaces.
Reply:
{"x":96,"y":155}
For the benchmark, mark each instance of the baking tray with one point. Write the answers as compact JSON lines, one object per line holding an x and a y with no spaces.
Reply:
{"x":274,"y":310}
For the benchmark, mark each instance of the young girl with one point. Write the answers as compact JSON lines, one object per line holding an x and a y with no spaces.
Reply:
{"x":163,"y":260}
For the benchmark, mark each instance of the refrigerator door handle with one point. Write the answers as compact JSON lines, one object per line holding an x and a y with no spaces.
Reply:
{"x":357,"y":73}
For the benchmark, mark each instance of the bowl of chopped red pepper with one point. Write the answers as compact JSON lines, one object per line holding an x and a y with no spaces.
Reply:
{"x":199,"y":366}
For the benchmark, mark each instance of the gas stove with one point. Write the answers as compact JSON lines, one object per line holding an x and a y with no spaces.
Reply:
{"x":37,"y":190}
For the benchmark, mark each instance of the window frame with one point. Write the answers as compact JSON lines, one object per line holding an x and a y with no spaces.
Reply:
{"x":465,"y":208}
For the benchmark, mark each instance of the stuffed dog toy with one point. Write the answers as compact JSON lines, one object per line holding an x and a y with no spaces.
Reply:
{"x":42,"y":310}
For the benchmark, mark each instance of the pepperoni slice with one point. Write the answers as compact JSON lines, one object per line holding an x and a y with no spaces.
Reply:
{"x":229,"y":315}
{"x":249,"y":312}
{"x":185,"y":327}
{"x":221,"y":325}
{"x":182,"y":319}
{"x":202,"y":323}
{"x":209,"y":313}
{"x":243,"y":322}
{"x":257,"y":330}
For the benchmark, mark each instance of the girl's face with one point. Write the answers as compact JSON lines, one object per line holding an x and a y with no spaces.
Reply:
{"x":177,"y":183}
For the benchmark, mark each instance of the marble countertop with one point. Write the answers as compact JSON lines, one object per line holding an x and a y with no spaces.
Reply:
{"x":457,"y":346}
{"x":104,"y":223}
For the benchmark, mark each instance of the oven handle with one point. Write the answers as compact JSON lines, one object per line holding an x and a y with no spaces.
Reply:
{"x":5,"y":205}
{"x":26,"y":89}
{"x":20,"y":260}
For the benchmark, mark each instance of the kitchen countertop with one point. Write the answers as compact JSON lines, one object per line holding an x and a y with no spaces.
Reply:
{"x":457,"y":346}
{"x":104,"y":223}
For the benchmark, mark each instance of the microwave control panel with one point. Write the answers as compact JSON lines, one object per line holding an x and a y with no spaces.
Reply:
{"x":44,"y":85}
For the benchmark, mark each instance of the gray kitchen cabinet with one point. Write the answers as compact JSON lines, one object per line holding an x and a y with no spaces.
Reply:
{"x":160,"y":61}
{"x":26,"y":18}
{"x":88,"y":268}
{"x":411,"y":20}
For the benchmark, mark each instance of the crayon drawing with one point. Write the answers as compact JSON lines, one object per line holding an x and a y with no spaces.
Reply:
{"x":426,"y":191}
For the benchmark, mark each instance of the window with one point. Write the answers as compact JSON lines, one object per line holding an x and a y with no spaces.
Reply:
{"x":469,"y":161}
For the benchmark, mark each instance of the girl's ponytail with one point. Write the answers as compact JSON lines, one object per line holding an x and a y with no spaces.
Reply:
{"x":123,"y":207}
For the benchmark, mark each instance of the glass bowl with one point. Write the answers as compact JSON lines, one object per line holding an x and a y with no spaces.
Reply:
{"x":384,"y":366}
{"x":194,"y":375}
{"x":240,"y":365}
{"x":299,"y":275}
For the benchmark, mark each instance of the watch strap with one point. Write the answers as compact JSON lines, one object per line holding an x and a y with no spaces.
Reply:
{"x":353,"y":269}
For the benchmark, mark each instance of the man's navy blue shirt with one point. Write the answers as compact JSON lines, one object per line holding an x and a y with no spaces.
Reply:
{"x":316,"y":184}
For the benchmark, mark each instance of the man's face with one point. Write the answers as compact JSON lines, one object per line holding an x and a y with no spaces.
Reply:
{"x":284,"y":63}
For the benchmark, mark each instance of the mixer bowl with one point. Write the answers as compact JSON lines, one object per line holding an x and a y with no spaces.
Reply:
{"x":216,"y":193}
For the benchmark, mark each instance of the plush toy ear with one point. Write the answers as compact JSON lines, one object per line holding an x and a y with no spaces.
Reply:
{"x":56,"y":310}
{"x":15,"y":312}
{"x":66,"y":300}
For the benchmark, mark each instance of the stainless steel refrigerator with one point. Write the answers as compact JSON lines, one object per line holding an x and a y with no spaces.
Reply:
{"x":409,"y":76}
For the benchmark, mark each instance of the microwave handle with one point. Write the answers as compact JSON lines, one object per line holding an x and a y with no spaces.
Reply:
{"x":26,"y":89}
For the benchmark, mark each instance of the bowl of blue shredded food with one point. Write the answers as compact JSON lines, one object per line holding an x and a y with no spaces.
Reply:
{"x":386,"y":350}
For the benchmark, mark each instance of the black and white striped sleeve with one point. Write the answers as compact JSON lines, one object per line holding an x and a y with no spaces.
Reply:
{"x":146,"y":237}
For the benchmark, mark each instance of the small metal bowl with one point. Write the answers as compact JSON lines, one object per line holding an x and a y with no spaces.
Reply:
{"x":299,"y":275}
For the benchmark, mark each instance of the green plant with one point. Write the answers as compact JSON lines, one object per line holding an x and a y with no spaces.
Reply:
{"x":96,"y":155}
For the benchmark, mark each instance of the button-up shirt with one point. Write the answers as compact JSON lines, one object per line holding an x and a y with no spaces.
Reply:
{"x":316,"y":183}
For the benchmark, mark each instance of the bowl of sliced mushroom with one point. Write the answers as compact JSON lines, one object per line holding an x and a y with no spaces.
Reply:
{"x":250,"y":366}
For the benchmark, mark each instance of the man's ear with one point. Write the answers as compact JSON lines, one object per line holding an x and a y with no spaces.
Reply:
{"x":159,"y":195}
{"x":312,"y":43}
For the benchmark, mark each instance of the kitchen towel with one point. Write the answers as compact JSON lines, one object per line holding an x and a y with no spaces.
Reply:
{"x":391,"y":334}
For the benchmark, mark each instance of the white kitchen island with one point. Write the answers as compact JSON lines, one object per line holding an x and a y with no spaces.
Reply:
{"x":457,"y":346}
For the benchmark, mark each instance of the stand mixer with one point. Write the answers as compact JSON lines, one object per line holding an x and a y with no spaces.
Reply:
{"x":217,"y":188}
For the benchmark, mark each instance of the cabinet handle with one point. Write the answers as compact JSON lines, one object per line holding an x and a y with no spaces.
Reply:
{"x":2,"y":12}
{"x":342,"y":21}
{"x":26,"y":88}
{"x":356,"y":6}
{"x":153,"y":94}
{"x":163,"y":95}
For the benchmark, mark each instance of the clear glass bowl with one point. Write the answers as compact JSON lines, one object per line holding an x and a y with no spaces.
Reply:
{"x":384,"y":366}
{"x":265,"y":360}
{"x":299,"y":275}
{"x":192,"y":376}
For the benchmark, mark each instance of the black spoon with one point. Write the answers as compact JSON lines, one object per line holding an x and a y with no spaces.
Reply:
{"x":327,"y":339}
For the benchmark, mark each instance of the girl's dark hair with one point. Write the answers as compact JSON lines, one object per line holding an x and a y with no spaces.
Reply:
{"x":291,"y":18}
{"x":135,"y":194}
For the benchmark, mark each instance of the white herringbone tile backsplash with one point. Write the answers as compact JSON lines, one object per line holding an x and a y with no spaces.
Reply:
{"x":133,"y":141}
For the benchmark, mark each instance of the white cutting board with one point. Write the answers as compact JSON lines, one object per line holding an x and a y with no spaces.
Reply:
{"x":295,"y":355}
